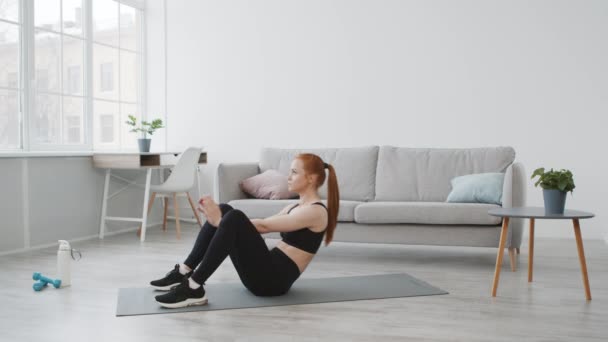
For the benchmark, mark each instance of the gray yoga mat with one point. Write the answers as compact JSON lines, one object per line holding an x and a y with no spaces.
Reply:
{"x":140,"y":301}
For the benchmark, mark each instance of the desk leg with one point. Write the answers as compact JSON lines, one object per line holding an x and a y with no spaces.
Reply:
{"x":144,"y":221}
{"x":501,"y":247}
{"x":581,"y":257}
{"x":104,"y":205}
{"x":531,"y":251}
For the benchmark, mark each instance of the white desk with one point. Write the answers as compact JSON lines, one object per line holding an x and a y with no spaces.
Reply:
{"x":147,"y":161}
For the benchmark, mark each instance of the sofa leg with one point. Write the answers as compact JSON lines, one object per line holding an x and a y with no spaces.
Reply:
{"x":512,"y":258}
{"x":517,"y":249}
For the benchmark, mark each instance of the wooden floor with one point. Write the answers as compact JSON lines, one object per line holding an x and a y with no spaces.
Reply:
{"x":553,"y":308}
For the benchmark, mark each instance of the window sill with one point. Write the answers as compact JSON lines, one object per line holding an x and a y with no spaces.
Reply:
{"x":37,"y":154}
{"x":59,"y":153}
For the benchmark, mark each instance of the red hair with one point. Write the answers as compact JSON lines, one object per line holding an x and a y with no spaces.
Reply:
{"x":313,"y":164}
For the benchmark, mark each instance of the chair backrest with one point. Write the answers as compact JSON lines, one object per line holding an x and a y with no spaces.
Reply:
{"x":183,"y":174}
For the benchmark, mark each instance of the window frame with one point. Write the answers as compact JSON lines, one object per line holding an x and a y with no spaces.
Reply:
{"x":20,"y":88}
{"x":27,"y":86}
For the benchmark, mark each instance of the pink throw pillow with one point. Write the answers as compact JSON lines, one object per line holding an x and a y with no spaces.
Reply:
{"x":270,"y":184}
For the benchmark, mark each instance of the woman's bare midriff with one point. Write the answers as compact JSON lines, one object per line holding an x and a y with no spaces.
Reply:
{"x":300,"y":257}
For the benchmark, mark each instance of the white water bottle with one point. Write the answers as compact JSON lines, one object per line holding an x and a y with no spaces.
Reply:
{"x":64,"y":263}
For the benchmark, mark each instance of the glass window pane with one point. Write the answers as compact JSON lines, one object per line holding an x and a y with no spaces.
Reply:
{"x":105,"y":22}
{"x":129,"y":139}
{"x":48,"y":63}
{"x":73,"y":65}
{"x":46,"y":120}
{"x":9,"y":10}
{"x":129,"y":76}
{"x":106,"y":125}
{"x":73,"y":116}
{"x":10,"y":133}
{"x":130,"y":28}
{"x":72,"y":17}
{"x":9,"y":55}
{"x":47,"y":14}
{"x":105,"y":72}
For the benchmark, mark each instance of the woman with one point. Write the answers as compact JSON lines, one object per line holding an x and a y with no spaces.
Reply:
{"x":228,"y":232}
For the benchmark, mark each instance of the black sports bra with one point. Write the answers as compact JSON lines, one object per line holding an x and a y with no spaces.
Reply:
{"x":304,"y":239}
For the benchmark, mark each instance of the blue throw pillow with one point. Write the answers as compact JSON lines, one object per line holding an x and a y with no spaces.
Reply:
{"x":477,"y":188}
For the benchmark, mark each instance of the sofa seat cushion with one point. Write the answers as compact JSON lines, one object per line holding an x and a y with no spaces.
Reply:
{"x":425,"y":213}
{"x":262,"y":208}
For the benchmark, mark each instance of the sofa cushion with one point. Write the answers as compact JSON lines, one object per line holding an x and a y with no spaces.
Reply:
{"x":424,"y":174}
{"x":262,"y":208}
{"x":426,"y":213}
{"x":477,"y":188}
{"x":270,"y":184}
{"x":355,"y":168}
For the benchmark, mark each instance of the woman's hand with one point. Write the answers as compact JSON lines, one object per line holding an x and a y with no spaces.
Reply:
{"x":211,"y":210}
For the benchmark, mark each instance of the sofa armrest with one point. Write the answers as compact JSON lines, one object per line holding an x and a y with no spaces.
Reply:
{"x":226,"y":186}
{"x":514,"y":195}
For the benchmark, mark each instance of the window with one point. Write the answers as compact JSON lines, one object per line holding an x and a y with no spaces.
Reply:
{"x":117,"y":56}
{"x":107,"y":76}
{"x":11,"y":91}
{"x":12,"y":80}
{"x":58,"y":48}
{"x":73,"y":129}
{"x":84,"y":73}
{"x":107,"y":128}
{"x":74,"y":80}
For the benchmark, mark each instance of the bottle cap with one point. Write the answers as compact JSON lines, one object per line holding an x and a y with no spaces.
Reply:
{"x":64,"y":245}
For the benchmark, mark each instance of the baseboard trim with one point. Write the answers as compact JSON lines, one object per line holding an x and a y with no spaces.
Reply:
{"x":90,"y":237}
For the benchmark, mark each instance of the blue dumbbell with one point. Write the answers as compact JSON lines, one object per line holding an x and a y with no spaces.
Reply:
{"x":55,"y":282}
{"x":38,"y":286}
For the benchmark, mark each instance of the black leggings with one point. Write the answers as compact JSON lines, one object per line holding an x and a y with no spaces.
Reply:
{"x":264,"y":272}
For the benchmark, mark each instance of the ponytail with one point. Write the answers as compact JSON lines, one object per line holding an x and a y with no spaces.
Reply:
{"x":333,"y":203}
{"x":313,"y":164}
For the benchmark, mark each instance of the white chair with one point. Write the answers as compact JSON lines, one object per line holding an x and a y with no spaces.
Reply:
{"x":180,"y":181}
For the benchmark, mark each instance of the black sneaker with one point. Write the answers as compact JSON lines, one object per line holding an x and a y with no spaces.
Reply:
{"x":171,"y":279}
{"x":181,"y":296}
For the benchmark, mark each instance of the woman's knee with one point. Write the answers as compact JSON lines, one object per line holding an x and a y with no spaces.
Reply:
{"x":233,"y":216}
{"x":225,"y":208}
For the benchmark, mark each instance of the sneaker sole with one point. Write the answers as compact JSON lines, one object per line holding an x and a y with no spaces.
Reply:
{"x":185,"y":303}
{"x":164,"y":288}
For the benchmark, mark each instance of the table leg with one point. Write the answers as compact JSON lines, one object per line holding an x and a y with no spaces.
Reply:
{"x":144,"y":221}
{"x":531,"y":251}
{"x":512,"y":259}
{"x":501,"y":247}
{"x":104,"y":205}
{"x":581,"y":257}
{"x":150,"y":204}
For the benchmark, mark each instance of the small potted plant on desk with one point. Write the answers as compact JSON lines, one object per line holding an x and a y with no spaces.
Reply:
{"x":556,"y":185}
{"x":146,"y":128}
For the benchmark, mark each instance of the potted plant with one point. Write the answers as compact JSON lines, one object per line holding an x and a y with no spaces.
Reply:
{"x":146,"y":128}
{"x":556,"y":185}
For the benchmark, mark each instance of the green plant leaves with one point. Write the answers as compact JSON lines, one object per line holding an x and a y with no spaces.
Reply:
{"x":145,"y":126}
{"x":556,"y":180}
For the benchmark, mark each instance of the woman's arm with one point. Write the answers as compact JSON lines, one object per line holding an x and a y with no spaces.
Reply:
{"x":259,"y":226}
{"x":259,"y":223}
{"x":305,"y":217}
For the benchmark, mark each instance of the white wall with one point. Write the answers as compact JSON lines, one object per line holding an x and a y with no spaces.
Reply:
{"x":530,"y":74}
{"x":45,"y":199}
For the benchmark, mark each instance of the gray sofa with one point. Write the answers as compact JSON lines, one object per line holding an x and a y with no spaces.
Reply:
{"x":395,"y":194}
